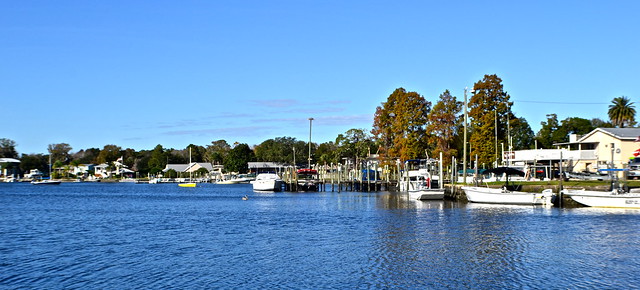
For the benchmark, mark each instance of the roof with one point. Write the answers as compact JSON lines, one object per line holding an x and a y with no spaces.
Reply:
{"x":265,"y":165}
{"x":188,"y":167}
{"x":619,"y":133}
{"x":3,"y":160}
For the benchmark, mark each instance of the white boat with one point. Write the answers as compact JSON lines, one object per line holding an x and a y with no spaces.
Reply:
{"x":47,"y":181}
{"x":267,"y":182}
{"x":505,"y":196}
{"x":419,"y":182}
{"x":618,"y":197}
{"x":612,"y":198}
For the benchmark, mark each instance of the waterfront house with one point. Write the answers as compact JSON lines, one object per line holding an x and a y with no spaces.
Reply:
{"x":590,"y":152}
{"x":102,"y":170}
{"x":82,"y":170}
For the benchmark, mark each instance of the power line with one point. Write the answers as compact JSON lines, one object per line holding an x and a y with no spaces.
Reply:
{"x":561,"y":103}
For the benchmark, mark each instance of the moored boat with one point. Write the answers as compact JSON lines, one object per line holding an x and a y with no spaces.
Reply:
{"x":419,"y":182}
{"x":612,"y":198}
{"x":505,"y":194}
{"x":267,"y":182}
{"x":46,"y":182}
{"x":308,"y":179}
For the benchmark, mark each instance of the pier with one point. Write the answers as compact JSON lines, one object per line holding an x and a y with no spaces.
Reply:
{"x":341,"y":177}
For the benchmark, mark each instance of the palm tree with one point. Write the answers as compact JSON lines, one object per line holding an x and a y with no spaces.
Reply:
{"x":622,"y":112}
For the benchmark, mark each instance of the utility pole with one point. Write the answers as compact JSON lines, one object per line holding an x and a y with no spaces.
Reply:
{"x":310,"y":121}
{"x":464,"y":156}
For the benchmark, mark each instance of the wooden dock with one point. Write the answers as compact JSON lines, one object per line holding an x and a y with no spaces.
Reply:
{"x":337,"y":178}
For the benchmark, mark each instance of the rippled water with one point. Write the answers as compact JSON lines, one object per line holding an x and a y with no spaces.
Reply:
{"x":83,"y":235}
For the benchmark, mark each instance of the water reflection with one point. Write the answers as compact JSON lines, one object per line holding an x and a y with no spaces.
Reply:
{"x":157,"y":236}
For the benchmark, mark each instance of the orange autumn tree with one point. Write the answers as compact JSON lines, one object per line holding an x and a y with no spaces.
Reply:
{"x":444,"y":123}
{"x":399,"y":125}
{"x":489,"y":112}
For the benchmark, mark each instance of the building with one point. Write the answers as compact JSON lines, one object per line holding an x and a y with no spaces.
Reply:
{"x":591,"y":152}
{"x":191,"y":167}
{"x":603,"y":146}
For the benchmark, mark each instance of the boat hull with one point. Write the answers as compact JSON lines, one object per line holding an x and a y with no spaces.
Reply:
{"x":427,"y":194}
{"x":267,"y":182}
{"x":268,"y":186}
{"x":187,"y":184}
{"x":604,"y":199}
{"x":45,"y":182}
{"x":500,"y":196}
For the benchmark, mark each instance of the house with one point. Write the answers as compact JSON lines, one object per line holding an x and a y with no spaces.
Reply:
{"x":102,"y":170}
{"x":82,"y":170}
{"x":591,"y":152}
{"x":603,"y":146}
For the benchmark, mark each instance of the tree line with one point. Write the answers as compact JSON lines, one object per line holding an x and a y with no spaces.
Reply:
{"x":405,"y":126}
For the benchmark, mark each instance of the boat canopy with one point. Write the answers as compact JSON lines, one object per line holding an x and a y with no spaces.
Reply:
{"x":503,"y":170}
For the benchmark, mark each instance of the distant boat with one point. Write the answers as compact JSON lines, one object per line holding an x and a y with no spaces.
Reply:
{"x":267,"y":182}
{"x":188,"y":184}
{"x":47,"y":181}
{"x":504,"y":195}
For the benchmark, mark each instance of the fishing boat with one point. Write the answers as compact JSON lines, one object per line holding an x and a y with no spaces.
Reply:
{"x":267,"y":182}
{"x":47,"y":181}
{"x":617,"y":197}
{"x":614,"y":198}
{"x":419,"y":182}
{"x":507,"y":194}
{"x":308,"y":179}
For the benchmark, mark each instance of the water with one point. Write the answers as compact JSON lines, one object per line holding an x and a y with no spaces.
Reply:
{"x":85,"y":235}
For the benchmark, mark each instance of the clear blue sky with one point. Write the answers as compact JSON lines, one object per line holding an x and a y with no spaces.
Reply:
{"x":141,"y":73}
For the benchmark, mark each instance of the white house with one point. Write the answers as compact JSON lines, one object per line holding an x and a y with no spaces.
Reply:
{"x":82,"y":169}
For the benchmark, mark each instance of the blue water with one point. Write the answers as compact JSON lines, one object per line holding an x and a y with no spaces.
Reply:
{"x":86,"y":235}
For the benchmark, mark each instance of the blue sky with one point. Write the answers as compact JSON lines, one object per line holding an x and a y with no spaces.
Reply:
{"x":141,"y":73}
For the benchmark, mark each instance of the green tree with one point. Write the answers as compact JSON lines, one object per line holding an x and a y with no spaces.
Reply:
{"x":8,"y":148}
{"x":573,"y":125}
{"x":599,"y":123}
{"x":444,"y":123}
{"x":622,"y":112}
{"x":548,"y":133}
{"x":87,"y":156}
{"x":489,"y":112}
{"x":109,"y":153}
{"x":238,"y":158}
{"x":217,"y":152}
{"x":281,"y":149}
{"x":157,"y":160}
{"x":34,"y":161}
{"x":60,"y":152}
{"x":521,"y":134}
{"x":327,"y":153}
{"x":399,"y":125}
{"x":354,"y":143}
